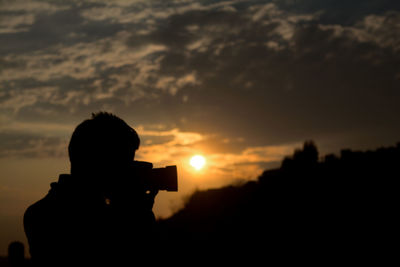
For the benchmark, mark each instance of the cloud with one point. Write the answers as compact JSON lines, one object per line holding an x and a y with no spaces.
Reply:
{"x":303,"y":82}
{"x":81,"y":60}
{"x":173,"y":84}
{"x":344,"y":13}
{"x":97,"y":75}
{"x":250,"y":162}
{"x":102,"y":63}
{"x":166,"y":147}
{"x":105,"y":13}
{"x":24,"y":145}
{"x":177,"y":144}
{"x":271,"y":73}
{"x":34,"y":139}
{"x":12,"y":24}
{"x":32,"y":6}
{"x":379,"y":29}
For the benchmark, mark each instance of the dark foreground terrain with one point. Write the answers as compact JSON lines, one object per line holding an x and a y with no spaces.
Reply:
{"x":336,"y":209}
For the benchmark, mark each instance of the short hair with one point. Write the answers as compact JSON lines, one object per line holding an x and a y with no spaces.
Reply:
{"x":103,"y":137}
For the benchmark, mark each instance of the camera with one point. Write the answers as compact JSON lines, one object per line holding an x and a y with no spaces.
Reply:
{"x":156,"y":178}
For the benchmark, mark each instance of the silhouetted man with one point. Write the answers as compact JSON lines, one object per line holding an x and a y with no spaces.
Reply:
{"x":99,"y":213}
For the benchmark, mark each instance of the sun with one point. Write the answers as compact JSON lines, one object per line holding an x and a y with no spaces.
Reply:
{"x":197,"y":162}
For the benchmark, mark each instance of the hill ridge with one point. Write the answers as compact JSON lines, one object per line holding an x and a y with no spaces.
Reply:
{"x":309,"y":203}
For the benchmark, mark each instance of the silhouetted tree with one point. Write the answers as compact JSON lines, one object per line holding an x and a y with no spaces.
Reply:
{"x":302,"y":158}
{"x":330,"y":209}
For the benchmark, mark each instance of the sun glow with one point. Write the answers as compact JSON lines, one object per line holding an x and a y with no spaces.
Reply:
{"x":198,"y":162}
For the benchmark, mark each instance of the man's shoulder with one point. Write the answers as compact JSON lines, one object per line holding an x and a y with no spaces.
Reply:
{"x":42,"y":207}
{"x":38,"y":209}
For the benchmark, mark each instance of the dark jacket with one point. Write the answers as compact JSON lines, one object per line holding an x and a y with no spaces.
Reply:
{"x":73,"y":224}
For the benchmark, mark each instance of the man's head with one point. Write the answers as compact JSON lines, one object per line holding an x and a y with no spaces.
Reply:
{"x":102,"y":144}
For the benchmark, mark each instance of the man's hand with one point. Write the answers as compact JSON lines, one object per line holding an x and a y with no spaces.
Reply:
{"x":149,"y":198}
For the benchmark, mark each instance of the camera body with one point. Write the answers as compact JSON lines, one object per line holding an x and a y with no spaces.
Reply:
{"x":156,"y":178}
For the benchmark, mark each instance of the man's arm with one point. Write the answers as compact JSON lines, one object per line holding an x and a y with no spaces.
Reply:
{"x":40,"y":233}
